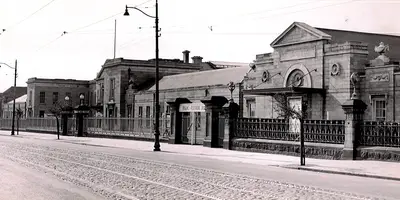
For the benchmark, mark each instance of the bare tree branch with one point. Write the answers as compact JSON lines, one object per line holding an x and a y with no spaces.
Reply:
{"x":284,"y":110}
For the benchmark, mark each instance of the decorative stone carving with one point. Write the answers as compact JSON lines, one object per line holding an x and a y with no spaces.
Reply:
{"x":335,"y":69}
{"x":381,"y":50}
{"x":354,"y":78}
{"x":296,"y":79}
{"x":265,"y":76}
{"x":380,"y":77}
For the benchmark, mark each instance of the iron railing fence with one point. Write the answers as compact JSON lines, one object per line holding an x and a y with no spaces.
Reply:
{"x":317,"y":131}
{"x":373,"y":133}
{"x":136,"y":127}
{"x":139,"y":127}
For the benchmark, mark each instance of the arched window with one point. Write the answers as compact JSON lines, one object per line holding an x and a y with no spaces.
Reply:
{"x":295,"y":79}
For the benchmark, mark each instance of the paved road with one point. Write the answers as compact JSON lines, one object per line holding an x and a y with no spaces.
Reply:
{"x":20,"y":183}
{"x":115,"y":173}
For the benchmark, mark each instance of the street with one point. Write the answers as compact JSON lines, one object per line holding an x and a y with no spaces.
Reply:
{"x":55,"y":169}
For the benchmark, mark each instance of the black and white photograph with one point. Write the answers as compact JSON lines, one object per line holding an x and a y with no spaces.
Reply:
{"x":199,"y":100}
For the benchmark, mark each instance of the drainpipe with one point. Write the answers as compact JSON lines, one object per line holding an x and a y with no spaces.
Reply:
{"x":323,"y":82}
{"x":394,"y":97}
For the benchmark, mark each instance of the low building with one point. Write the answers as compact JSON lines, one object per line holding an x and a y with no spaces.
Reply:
{"x":44,"y":93}
{"x":20,"y":104}
{"x":193,"y":87}
{"x":8,"y":95}
{"x":318,"y":68}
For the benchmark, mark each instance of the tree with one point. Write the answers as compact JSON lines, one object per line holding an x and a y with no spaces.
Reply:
{"x":56,"y":110}
{"x":19,"y":114}
{"x":287,"y":111}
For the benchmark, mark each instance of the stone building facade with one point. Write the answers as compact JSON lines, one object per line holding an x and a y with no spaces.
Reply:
{"x":193,"y":88}
{"x":314,"y":66}
{"x":106,"y":94}
{"x":43,"y":93}
{"x":119,"y":78}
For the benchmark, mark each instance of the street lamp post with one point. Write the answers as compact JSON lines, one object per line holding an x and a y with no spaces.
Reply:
{"x":157,"y":98}
{"x":15,"y":88}
{"x":231,"y":86}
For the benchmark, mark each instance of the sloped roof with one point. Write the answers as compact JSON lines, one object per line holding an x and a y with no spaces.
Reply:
{"x":9,"y":93}
{"x":372,"y":39}
{"x":203,"y":78}
{"x":21,"y":99}
{"x":224,"y":64}
{"x":311,"y":30}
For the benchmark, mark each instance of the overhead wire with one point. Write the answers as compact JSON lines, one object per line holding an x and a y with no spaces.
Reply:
{"x":86,"y":26}
{"x":29,"y":16}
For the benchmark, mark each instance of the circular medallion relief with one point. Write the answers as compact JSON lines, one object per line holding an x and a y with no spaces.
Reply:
{"x":335,"y":69}
{"x":265,"y":76}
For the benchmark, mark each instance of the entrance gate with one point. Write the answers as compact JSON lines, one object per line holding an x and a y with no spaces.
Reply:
{"x":191,"y":121}
{"x":186,"y":127}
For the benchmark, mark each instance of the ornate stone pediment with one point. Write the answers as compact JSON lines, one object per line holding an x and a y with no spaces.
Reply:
{"x":298,"y":33}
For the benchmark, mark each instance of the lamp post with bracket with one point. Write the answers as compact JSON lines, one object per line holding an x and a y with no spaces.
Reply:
{"x":157,"y":94}
{"x":15,"y":95}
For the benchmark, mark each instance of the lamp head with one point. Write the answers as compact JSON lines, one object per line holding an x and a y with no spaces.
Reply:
{"x":81,"y":96}
{"x":126,"y":11}
{"x":66,"y":98}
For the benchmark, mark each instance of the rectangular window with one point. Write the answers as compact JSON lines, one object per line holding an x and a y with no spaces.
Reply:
{"x":55,"y":97}
{"x":198,"y":121}
{"x":168,"y":110}
{"x":140,"y":116}
{"x":129,"y":109}
{"x":379,"y":109}
{"x":101,"y":92}
{"x":251,"y":108}
{"x":42,"y":97}
{"x":112,"y":88}
{"x":91,"y":98}
{"x":30,"y":98}
{"x":148,"y":113}
{"x":41,"y":113}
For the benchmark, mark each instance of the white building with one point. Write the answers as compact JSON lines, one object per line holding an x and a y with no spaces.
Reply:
{"x":20,"y":103}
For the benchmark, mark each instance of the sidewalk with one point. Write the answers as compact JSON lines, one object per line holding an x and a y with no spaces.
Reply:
{"x":375,"y":169}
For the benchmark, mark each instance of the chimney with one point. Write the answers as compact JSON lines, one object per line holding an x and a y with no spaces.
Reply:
{"x":197,"y":59}
{"x":186,"y":56}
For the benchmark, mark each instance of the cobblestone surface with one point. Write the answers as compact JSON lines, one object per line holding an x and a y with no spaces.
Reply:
{"x":121,"y":177}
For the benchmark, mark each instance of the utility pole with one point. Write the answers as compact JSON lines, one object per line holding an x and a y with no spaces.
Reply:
{"x":15,"y":95}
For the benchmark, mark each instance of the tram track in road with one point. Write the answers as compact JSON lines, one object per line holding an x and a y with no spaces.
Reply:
{"x":172,"y":179}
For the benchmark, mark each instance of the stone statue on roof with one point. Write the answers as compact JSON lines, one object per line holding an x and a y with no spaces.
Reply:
{"x":382,"y":48}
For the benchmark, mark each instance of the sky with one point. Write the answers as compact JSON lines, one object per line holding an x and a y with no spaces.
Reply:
{"x":217,"y":30}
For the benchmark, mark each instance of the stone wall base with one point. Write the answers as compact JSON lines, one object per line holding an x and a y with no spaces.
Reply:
{"x":313,"y":150}
{"x":207,"y":143}
{"x":379,"y":153}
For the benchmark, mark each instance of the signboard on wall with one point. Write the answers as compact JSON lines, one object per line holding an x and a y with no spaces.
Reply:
{"x":192,"y":107}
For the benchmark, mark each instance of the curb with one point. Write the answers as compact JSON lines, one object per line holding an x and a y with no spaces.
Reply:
{"x":344,"y":173}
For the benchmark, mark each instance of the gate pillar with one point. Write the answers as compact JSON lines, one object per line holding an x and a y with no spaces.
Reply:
{"x":354,"y":110}
{"x":213,"y":109}
{"x":176,"y":120}
{"x":231,"y":114}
